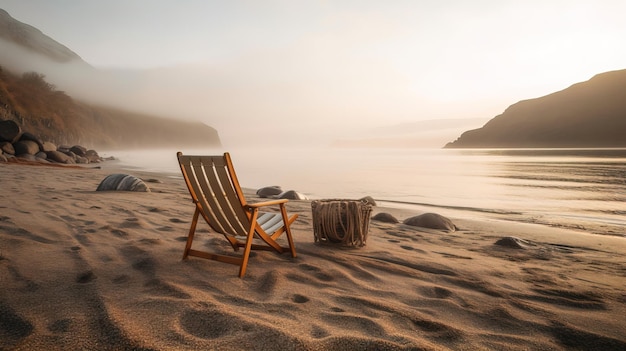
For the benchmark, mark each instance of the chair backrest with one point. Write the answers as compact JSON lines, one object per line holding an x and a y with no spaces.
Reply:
{"x":214,"y":188}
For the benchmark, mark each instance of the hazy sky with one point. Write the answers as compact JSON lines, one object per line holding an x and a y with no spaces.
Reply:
{"x":341,"y":65}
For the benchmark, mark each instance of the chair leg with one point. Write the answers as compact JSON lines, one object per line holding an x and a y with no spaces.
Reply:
{"x":246,"y":254}
{"x":192,"y":231}
{"x":246,"y":251}
{"x":292,"y":247}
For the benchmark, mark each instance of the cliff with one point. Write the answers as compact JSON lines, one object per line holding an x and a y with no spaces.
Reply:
{"x":589,"y":114}
{"x":40,"y":108}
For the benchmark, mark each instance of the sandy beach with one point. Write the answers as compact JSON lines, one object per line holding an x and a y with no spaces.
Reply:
{"x":81,"y":269}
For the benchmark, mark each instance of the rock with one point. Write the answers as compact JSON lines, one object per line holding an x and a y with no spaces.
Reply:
{"x":7,"y":148}
{"x":514,"y":243}
{"x":3,"y":158}
{"x":9,"y":131}
{"x":72,"y":155}
{"x":269,"y":191}
{"x":122,"y":182}
{"x":93,"y":156}
{"x":432,"y":221}
{"x":58,"y":156}
{"x":26,"y":147}
{"x":368,"y":200}
{"x":79,"y":150}
{"x":41,"y":155}
{"x":48,"y":146}
{"x":385,"y":217}
{"x":31,"y":137}
{"x":27,"y":157}
{"x":292,"y":195}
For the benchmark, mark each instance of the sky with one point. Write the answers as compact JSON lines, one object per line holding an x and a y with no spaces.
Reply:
{"x":361,"y":71}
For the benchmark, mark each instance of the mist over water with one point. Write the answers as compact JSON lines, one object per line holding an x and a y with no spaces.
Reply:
{"x":579,"y":189}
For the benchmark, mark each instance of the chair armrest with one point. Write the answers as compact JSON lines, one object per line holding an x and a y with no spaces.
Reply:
{"x":267,"y":203}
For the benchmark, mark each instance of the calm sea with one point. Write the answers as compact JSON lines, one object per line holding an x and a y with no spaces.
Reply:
{"x":574,"y":188}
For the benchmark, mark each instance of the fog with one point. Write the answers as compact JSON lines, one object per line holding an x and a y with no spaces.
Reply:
{"x":266,"y":98}
{"x":330,"y":72}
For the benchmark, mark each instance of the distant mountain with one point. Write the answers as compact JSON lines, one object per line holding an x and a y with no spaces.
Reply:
{"x":33,"y":39}
{"x":29,"y":99}
{"x":590,"y":114}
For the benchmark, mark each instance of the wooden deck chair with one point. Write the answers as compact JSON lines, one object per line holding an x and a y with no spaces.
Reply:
{"x":218,"y":198}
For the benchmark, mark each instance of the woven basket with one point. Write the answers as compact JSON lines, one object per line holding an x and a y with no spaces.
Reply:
{"x":341,"y":222}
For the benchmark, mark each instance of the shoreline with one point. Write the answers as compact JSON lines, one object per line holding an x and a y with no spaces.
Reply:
{"x":82,"y":268}
{"x":594,"y":226}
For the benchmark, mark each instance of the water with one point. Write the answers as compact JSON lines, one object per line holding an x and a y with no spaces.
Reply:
{"x":575,"y":188}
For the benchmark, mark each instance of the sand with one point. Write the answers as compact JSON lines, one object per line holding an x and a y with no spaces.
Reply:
{"x":81,"y":269}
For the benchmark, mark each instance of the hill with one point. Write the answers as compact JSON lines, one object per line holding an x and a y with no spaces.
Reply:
{"x":41,"y":109}
{"x":589,"y":114}
{"x":54,"y":116}
{"x":33,"y":39}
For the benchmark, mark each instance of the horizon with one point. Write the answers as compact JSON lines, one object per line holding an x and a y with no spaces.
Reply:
{"x":334,"y":70}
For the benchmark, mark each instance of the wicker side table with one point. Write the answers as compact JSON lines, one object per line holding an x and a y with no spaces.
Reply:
{"x":341,"y":222}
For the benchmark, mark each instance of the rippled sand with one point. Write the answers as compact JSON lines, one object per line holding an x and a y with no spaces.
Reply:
{"x":81,"y":269}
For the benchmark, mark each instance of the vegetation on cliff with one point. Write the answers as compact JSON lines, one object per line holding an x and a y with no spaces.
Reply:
{"x":54,"y":116}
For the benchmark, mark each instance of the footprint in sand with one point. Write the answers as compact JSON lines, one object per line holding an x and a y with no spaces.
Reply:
{"x":133,"y":222}
{"x":318,"y":332}
{"x":85,"y":277}
{"x":211,"y":324}
{"x":13,"y":328}
{"x":140,"y":259}
{"x":119,"y":233}
{"x":60,"y":326}
{"x":297,"y":298}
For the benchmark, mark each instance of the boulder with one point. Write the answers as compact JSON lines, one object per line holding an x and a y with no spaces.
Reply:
{"x":31,"y":137}
{"x":9,"y":131}
{"x":385,"y":217}
{"x":48,"y":146}
{"x":269,"y":191}
{"x":515,"y":243}
{"x":124,"y":182}
{"x":26,"y":147}
{"x":7,"y":148}
{"x":432,"y":221}
{"x":27,"y":157}
{"x":58,"y":156}
{"x":79,"y":150}
{"x":93,"y":156}
{"x":72,"y":155}
{"x":292,"y":195}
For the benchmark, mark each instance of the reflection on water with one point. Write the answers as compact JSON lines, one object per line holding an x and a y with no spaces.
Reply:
{"x":578,"y":188}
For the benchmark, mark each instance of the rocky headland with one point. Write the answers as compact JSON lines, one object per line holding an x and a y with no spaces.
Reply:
{"x":590,"y":114}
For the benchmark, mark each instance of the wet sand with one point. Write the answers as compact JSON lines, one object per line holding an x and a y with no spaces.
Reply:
{"x":81,"y":269}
